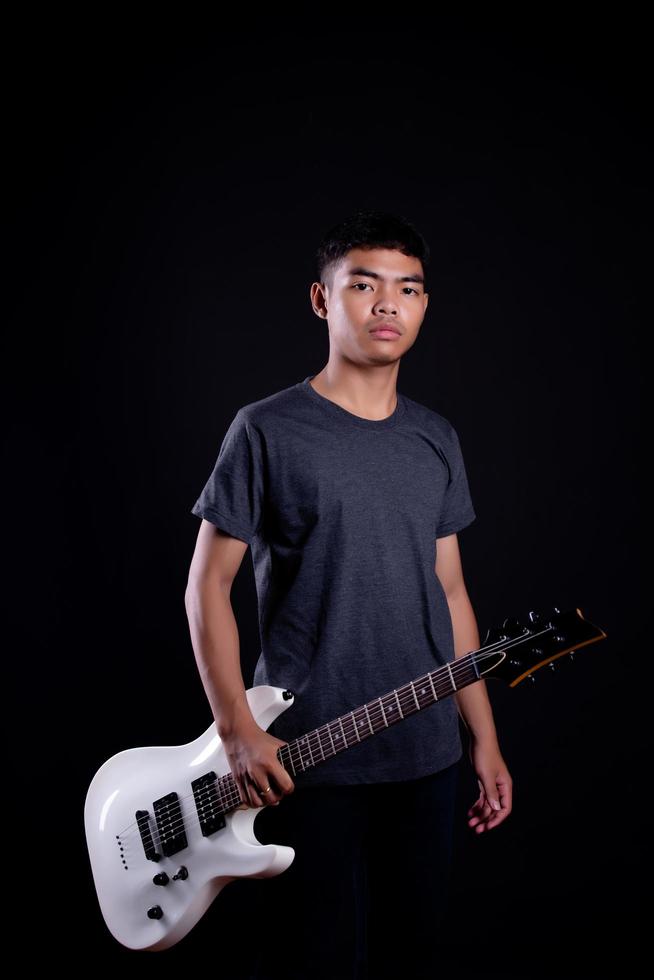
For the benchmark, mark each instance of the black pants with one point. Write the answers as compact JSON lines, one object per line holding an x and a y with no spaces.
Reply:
{"x":366,"y":893}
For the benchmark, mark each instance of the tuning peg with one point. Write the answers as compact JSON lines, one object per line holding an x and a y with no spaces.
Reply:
{"x":510,"y":624}
{"x":552,"y":667}
{"x":532,"y":678}
{"x":534,"y":616}
{"x":556,"y":610}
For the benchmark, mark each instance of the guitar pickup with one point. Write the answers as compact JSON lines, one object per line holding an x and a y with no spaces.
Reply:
{"x":207,"y":804}
{"x":170,"y":824}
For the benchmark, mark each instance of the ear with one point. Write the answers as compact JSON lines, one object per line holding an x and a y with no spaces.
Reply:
{"x":317,"y":295}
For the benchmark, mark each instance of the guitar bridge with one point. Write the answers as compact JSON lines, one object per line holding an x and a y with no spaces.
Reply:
{"x":143,"y":821}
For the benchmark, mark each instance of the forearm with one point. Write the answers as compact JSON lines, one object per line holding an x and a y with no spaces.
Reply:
{"x":215,"y":639}
{"x":472,"y":701}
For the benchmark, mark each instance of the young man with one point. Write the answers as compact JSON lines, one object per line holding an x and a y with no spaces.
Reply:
{"x":350,"y":495}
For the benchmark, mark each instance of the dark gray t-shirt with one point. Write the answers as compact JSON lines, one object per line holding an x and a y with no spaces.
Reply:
{"x":342,"y":515}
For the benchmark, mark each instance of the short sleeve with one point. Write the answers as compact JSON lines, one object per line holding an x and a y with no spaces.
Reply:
{"x":457,"y":510}
{"x":232,"y":498}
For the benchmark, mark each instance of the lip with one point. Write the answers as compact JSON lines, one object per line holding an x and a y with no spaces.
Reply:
{"x":385,"y":330}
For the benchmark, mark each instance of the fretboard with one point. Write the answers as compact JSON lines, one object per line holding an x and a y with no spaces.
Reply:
{"x":351,"y":729}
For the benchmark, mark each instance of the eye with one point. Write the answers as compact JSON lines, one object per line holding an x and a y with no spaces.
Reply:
{"x":364,"y":284}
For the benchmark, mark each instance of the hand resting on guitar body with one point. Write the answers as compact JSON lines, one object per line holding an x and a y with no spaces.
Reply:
{"x":252,"y":756}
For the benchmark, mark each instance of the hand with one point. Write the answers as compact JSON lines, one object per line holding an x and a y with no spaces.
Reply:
{"x":252,"y":756}
{"x":496,"y":786}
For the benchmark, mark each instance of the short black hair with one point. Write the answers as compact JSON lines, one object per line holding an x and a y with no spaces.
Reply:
{"x":369,"y":228}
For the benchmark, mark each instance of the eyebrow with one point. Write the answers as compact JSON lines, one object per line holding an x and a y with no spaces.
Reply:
{"x":360,"y":271}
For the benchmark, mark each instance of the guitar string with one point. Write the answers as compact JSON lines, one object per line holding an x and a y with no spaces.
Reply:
{"x":230,"y":794}
{"x":230,"y":797}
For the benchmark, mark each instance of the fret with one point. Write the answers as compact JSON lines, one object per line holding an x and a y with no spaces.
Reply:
{"x":283,"y":751}
{"x":376,"y":715}
{"x":299,"y":749}
{"x":344,"y":735}
{"x":331,"y":739}
{"x":221,"y":795}
{"x":308,"y":747}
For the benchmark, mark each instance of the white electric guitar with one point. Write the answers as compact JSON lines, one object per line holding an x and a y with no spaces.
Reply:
{"x":166,"y":829}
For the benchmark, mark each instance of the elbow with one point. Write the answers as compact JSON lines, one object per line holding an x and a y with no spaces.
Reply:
{"x":455,"y":591}
{"x":189,"y":595}
{"x":201,"y":588}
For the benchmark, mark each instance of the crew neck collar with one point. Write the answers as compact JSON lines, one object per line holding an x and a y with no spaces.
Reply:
{"x":342,"y":415}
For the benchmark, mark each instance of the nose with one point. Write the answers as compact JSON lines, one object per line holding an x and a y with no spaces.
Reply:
{"x":385,"y":306}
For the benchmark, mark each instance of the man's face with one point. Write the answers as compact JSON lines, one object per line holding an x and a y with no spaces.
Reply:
{"x":373,"y":289}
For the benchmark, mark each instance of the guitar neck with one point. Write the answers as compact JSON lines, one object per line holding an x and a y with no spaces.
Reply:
{"x":532,"y":647}
{"x":367,"y":720}
{"x":350,"y":729}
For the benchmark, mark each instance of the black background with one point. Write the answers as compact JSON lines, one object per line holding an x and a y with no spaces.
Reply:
{"x":166,"y":193}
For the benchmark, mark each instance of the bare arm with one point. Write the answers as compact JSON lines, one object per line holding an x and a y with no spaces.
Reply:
{"x":473,"y":703}
{"x":250,"y":750}
{"x":495,"y":801}
{"x":214,"y":632}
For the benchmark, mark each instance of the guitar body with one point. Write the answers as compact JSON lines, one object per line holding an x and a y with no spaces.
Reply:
{"x":124,"y":876}
{"x":165,"y":826}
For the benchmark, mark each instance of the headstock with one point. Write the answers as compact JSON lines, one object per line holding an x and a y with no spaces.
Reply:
{"x":517,"y":650}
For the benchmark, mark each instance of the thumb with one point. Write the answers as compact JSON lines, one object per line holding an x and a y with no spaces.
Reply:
{"x":490,"y":792}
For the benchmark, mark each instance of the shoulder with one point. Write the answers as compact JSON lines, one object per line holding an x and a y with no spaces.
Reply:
{"x":266,"y":413}
{"x":430,"y":421}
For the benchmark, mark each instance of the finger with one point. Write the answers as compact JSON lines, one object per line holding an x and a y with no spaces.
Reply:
{"x":277,"y":790}
{"x":496,"y":818}
{"x":283,"y":780}
{"x":245,"y":791}
{"x":506,"y":798}
{"x":255,"y":792}
{"x":250,"y":790}
{"x":490,"y":791}
{"x":492,"y":823}
{"x":476,"y":821}
{"x":479,"y":813}
{"x":480,"y":807}
{"x":266,"y":782}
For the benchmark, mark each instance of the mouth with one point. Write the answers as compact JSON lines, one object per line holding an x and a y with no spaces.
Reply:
{"x":385,"y":331}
